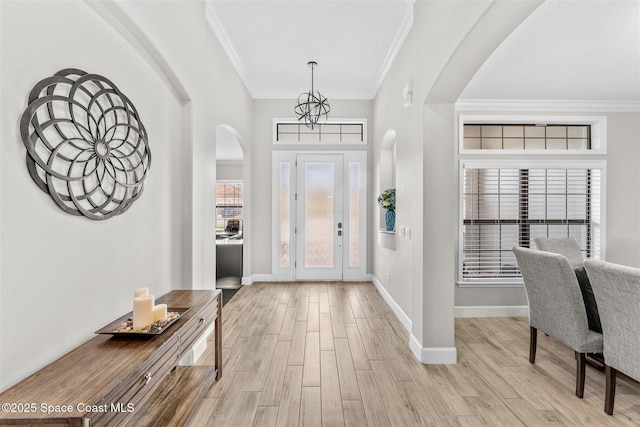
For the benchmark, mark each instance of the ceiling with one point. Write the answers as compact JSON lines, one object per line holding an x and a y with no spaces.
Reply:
{"x":270,"y":42}
{"x":569,"y":50}
{"x":584,"y":50}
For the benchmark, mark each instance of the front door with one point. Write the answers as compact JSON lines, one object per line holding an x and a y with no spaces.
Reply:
{"x":319,"y":217}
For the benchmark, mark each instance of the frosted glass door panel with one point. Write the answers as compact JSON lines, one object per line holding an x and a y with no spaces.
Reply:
{"x":354,"y":215}
{"x":319,"y":218}
{"x":285,"y":215}
{"x":319,"y":227}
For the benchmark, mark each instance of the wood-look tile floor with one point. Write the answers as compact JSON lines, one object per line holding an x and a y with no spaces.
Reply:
{"x":334,"y":354}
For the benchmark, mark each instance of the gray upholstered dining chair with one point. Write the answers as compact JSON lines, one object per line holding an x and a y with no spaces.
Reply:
{"x":568,"y":246}
{"x":556,"y":306}
{"x":617,"y":289}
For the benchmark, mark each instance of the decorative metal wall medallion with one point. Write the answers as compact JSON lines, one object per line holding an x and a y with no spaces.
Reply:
{"x":86,"y":146}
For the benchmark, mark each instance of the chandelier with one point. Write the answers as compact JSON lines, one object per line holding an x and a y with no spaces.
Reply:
{"x":312,"y":106}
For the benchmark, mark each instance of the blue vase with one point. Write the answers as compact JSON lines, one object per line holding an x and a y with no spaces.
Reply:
{"x":390,"y":219}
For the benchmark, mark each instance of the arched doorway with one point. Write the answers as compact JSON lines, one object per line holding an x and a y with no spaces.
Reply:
{"x":230,"y":211}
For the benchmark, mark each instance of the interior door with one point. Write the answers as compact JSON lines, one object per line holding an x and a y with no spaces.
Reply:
{"x":319,"y":217}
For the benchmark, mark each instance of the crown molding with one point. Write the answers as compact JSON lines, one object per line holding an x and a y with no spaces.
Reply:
{"x":396,"y":45}
{"x":547,"y":105}
{"x":225,"y":42}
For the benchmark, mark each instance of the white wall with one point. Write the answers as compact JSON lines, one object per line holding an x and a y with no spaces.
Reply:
{"x":63,"y":277}
{"x":228,"y":172}
{"x":623,"y":188}
{"x":217,"y":96}
{"x":436,"y":32}
{"x":448,"y":43}
{"x":422,"y":269}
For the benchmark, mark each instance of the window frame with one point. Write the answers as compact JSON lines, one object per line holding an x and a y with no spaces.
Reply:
{"x":522,"y":164}
{"x":598,"y":133}
{"x":241,"y":207}
{"x":594,"y":158}
{"x":332,"y":121}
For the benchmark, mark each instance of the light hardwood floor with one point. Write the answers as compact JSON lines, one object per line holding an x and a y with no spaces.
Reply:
{"x":333,"y":354}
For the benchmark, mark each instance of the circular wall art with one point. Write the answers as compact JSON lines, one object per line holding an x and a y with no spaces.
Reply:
{"x":86,"y":146}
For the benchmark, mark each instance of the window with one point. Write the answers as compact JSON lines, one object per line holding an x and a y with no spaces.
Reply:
{"x":511,"y":198}
{"x":526,"y":137}
{"x":503,"y":206}
{"x":284,"y":241}
{"x":490,"y":135}
{"x":336,"y":131}
{"x":229,"y":206}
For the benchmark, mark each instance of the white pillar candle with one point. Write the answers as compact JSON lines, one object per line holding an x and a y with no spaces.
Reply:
{"x":142,"y":311}
{"x":140,"y":292}
{"x":160,"y":313}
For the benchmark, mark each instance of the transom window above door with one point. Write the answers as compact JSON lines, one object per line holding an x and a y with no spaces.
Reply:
{"x":333,"y":131}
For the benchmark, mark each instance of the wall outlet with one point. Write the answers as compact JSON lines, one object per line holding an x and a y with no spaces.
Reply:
{"x":407,"y":233}
{"x":388,"y":278}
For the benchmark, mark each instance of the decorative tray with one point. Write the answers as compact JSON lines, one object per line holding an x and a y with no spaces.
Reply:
{"x":119,"y":326}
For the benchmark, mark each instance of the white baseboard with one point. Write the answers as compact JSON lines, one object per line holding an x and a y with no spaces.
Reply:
{"x":433,"y":355}
{"x":428,"y":355}
{"x":250,"y":280}
{"x":492,"y":311}
{"x":400,"y":314}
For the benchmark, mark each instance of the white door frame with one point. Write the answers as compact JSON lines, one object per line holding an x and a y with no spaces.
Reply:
{"x":333,"y":268}
{"x":355,"y":204}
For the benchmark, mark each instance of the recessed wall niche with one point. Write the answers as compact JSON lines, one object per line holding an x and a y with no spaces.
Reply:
{"x":387,"y":180}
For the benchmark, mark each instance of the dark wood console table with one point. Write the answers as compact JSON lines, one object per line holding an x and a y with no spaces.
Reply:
{"x":109,"y":380}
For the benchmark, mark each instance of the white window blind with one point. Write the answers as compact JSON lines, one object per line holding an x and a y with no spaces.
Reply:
{"x":229,"y":206}
{"x":506,"y":206}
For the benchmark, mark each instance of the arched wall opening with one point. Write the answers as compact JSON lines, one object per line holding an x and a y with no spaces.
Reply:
{"x":433,"y":341}
{"x":232,"y":213}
